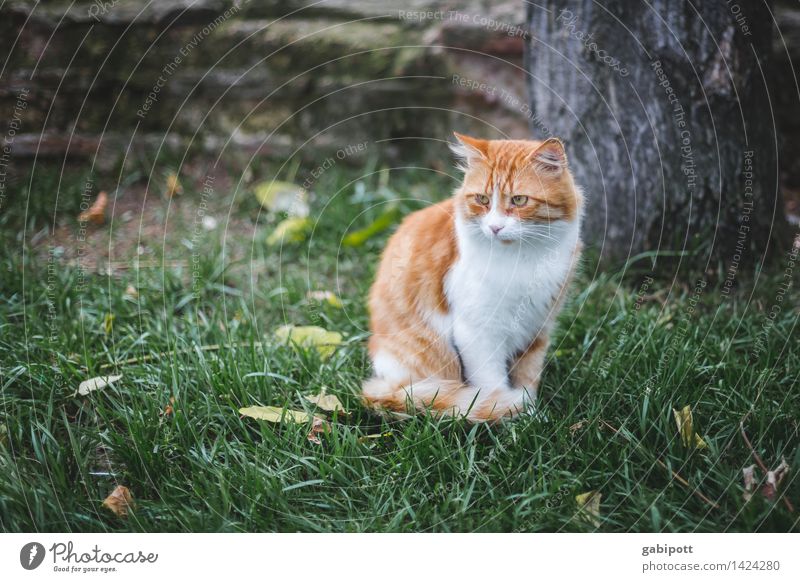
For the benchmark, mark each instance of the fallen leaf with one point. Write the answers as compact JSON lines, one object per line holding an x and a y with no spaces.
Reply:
{"x":276,"y":414}
{"x":318,"y":426}
{"x":774,"y":478}
{"x":770,"y":488}
{"x":291,"y":230}
{"x":327,"y":402}
{"x":665,"y":319}
{"x":370,"y":437}
{"x":97,"y":383}
{"x":108,"y":323}
{"x":772,"y":481}
{"x":173,"y":185}
{"x":384,"y":221}
{"x":589,"y":507}
{"x":310,"y":336}
{"x":690,"y":439}
{"x":119,"y":501}
{"x":325,"y":297}
{"x":749,"y":478}
{"x":96,"y":213}
{"x":170,"y":409}
{"x":577,"y":426}
{"x":277,"y":196}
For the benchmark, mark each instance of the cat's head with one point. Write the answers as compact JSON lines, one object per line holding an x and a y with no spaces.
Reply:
{"x":515,"y":190}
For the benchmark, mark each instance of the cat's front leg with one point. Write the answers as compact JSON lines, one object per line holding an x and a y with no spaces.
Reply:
{"x":483,"y":356}
{"x":526,"y":370}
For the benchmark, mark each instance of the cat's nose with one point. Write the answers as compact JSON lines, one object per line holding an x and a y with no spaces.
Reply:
{"x":496,"y":229}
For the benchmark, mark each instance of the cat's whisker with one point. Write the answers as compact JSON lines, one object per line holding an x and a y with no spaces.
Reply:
{"x":531,"y":237}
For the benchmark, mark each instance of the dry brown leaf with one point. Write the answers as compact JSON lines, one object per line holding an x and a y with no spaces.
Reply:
{"x":96,"y":213}
{"x":318,"y":427}
{"x":577,"y":426}
{"x":119,"y":501}
{"x":131,"y":292}
{"x":771,"y":484}
{"x":170,"y":409}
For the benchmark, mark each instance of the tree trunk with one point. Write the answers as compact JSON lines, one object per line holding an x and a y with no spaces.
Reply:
{"x":665,"y":111}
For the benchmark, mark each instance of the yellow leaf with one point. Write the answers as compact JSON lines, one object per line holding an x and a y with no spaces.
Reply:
{"x":325,"y":297}
{"x":589,"y":507}
{"x":384,"y":221}
{"x":276,"y":414}
{"x":278,"y":196}
{"x":96,"y":213}
{"x":119,"y":501}
{"x":327,"y":402}
{"x":97,"y":383}
{"x":291,"y":230}
{"x":108,"y":323}
{"x":380,"y":435}
{"x":310,"y":336}
{"x":173,"y":185}
{"x":689,"y":438}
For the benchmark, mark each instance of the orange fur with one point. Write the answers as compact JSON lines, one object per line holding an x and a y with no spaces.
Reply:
{"x":410,"y":282}
{"x":512,"y":166}
{"x":416,"y":364}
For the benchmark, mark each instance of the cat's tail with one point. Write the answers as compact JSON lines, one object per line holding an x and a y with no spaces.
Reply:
{"x":447,"y":398}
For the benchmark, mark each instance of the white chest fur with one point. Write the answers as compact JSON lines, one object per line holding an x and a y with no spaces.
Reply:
{"x":502,"y":295}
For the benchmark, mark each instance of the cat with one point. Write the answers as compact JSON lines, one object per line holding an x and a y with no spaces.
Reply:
{"x":467,"y":290}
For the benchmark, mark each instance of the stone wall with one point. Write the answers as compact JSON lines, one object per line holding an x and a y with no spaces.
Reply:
{"x":273,"y":77}
{"x":278,"y":77}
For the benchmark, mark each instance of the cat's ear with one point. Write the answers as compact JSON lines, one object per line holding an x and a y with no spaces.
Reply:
{"x":550,"y":158}
{"x":469,"y":149}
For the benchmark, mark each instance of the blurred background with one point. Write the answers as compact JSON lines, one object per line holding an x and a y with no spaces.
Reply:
{"x":114,"y":86}
{"x":269,"y":77}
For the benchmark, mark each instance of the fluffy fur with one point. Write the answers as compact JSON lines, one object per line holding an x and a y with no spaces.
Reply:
{"x":467,"y":290}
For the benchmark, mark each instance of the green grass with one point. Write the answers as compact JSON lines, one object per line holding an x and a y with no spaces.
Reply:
{"x":614,"y":362}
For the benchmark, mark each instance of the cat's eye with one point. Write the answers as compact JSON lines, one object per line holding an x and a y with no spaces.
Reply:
{"x":519,"y":200}
{"x":482,"y":199}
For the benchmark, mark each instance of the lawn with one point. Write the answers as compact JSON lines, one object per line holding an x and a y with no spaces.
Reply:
{"x":191,"y":332}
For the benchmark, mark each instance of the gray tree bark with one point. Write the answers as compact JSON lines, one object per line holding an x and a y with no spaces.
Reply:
{"x":666,"y":114}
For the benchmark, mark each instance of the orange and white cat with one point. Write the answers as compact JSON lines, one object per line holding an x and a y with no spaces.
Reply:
{"x":467,"y":290}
